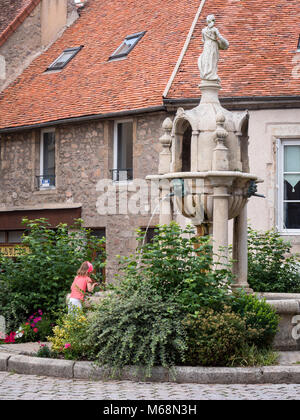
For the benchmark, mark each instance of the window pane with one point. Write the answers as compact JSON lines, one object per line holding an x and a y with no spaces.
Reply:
{"x":292,"y":187}
{"x":2,"y":237}
{"x":125,"y":47}
{"x":49,"y":159}
{"x":292,"y":215}
{"x":124,"y":152}
{"x":62,"y":59}
{"x":15,"y":236}
{"x":292,"y":159}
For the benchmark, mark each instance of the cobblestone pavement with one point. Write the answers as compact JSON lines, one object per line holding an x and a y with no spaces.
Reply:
{"x":28,"y":387}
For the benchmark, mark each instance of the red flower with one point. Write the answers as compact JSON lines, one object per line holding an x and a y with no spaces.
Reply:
{"x":35,"y":330}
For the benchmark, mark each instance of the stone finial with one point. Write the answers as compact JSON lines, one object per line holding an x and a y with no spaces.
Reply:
{"x":166,"y":141}
{"x":220,"y":154}
{"x":213,"y":42}
{"x":221,"y":133}
{"x":166,"y":138}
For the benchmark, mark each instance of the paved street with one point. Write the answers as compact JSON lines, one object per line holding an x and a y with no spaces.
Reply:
{"x":27,"y":387}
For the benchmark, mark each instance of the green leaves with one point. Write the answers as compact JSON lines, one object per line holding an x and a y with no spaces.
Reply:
{"x":139,"y":330}
{"x":176,"y":263}
{"x":271,"y":266}
{"x":41,"y":278}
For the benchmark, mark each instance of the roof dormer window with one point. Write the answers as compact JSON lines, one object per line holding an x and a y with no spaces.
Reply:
{"x":64,"y":58}
{"x":127,"y":45}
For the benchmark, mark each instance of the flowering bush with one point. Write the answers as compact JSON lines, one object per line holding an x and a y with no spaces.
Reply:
{"x":8,"y":338}
{"x":36,"y":328}
{"x":44,"y":351}
{"x":41,"y":277}
{"x":69,"y":336}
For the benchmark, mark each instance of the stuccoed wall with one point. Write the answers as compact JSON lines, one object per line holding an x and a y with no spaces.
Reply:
{"x":265,"y":127}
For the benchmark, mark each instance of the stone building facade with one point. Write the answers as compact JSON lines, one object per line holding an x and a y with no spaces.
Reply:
{"x":67,"y":120}
{"x":83,"y":157}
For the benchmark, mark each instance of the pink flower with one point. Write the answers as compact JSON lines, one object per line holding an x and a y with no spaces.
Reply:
{"x":35,"y":330}
{"x":67,"y":345}
{"x":37,"y":319}
{"x":10,"y":338}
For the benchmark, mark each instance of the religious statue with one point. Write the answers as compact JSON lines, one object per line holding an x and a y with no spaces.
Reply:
{"x":213,"y":42}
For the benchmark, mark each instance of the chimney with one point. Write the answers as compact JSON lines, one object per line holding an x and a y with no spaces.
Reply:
{"x":79,"y":3}
{"x":56,"y":15}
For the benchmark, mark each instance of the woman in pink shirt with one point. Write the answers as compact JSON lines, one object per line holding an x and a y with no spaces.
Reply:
{"x":81,"y":282}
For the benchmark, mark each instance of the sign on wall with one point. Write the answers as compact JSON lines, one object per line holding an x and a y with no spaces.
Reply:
{"x":12,"y":250}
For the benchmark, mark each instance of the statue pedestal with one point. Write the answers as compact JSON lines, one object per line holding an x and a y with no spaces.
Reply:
{"x":210,"y":91}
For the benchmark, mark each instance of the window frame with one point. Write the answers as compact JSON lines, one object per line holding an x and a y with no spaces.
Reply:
{"x":281,"y":143}
{"x":6,"y":234}
{"x":138,"y":36}
{"x":115,"y":150}
{"x":41,"y":166}
{"x":75,"y":50}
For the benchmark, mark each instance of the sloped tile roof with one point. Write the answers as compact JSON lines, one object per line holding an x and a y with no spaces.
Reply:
{"x":262,"y":58}
{"x":90,"y":84}
{"x":263,"y":37}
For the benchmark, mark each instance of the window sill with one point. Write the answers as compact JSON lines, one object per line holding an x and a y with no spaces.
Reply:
{"x":289,"y":232}
{"x":45,"y":191}
{"x":123,"y":182}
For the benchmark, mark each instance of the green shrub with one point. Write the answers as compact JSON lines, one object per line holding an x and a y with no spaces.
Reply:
{"x":140,"y":330}
{"x":214,"y":337}
{"x":41,"y":277}
{"x":37,"y":327}
{"x":44,"y":351}
{"x":271,"y":266}
{"x":250,"y":355}
{"x":258,"y":315}
{"x":69,"y":336}
{"x":177,"y":264}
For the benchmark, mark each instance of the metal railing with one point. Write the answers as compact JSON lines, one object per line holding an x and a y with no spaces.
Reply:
{"x":122,"y":174}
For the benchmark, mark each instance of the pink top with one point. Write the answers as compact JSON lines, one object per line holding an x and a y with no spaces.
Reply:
{"x":80,"y":282}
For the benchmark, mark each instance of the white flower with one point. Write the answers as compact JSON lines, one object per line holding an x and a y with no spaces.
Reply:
{"x":19,"y":333}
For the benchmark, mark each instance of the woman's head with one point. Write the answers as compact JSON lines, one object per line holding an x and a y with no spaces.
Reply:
{"x":210,"y":20}
{"x":85,"y":269}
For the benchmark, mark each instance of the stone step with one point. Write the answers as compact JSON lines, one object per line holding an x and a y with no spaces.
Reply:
{"x":289,"y":357}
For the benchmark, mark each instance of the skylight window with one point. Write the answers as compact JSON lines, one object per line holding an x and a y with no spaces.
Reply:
{"x":64,"y":58}
{"x":127,"y":45}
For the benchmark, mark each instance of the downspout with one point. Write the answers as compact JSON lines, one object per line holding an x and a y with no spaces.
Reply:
{"x":184,"y":49}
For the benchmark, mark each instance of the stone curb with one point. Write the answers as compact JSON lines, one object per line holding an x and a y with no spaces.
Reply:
{"x":183,"y":374}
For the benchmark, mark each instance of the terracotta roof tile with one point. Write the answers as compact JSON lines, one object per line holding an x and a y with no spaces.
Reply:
{"x":90,"y":84}
{"x":261,"y":60}
{"x":263,"y":38}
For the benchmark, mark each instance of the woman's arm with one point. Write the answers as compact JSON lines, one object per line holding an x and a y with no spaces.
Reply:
{"x":222,"y":42}
{"x":91,"y":286}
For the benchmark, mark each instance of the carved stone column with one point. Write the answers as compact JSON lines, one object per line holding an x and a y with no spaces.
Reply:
{"x":166,"y":141}
{"x":166,"y":210}
{"x":240,"y":251}
{"x":220,"y":218}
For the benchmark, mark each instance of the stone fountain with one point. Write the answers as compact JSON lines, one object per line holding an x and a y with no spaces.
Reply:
{"x":204,"y":164}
